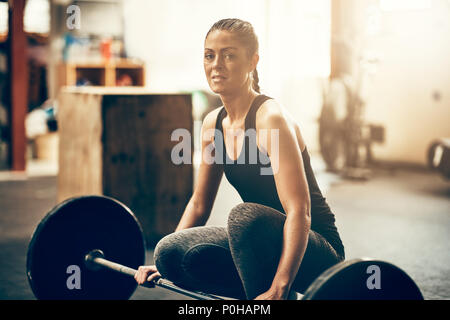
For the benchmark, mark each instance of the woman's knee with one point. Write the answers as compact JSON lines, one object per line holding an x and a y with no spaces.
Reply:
{"x":167,"y":256}
{"x":207,"y":261}
{"x":249,"y":214}
{"x":248,"y":220}
{"x":170,"y":252}
{"x":243,"y":214}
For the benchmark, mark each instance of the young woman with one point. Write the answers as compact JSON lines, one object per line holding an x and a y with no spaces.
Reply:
{"x":283,"y":235}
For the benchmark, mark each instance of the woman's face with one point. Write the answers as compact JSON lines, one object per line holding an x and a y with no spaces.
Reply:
{"x":226,"y":62}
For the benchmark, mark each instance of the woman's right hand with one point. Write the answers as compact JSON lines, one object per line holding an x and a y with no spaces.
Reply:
{"x":146,"y":273}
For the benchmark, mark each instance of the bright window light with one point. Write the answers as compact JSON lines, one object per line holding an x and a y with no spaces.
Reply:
{"x":3,"y":17}
{"x":300,"y":30}
{"x":403,"y":5}
{"x":37,"y":16}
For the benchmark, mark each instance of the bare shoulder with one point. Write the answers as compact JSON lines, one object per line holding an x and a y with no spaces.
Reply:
{"x":273,"y":114}
{"x":209,"y":122}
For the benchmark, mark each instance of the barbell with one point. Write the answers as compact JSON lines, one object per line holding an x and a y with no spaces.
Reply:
{"x":89,"y":248}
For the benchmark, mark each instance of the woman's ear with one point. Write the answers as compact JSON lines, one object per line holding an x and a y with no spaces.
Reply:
{"x":254,"y":62}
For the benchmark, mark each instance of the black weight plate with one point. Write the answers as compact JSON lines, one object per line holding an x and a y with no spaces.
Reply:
{"x":71,"y":230}
{"x":348,"y":280}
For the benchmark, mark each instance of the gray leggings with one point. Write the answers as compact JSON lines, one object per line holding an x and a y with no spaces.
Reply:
{"x":239,"y":261}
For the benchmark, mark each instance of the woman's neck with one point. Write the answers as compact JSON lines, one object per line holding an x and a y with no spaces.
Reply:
{"x":238,"y":104}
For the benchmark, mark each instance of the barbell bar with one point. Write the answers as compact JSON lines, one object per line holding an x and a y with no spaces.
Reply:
{"x":95,"y":260}
{"x":81,"y":232}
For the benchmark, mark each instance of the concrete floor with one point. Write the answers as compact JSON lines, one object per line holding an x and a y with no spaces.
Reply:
{"x":399,"y":215}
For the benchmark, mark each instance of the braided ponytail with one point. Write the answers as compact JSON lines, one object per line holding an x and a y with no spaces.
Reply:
{"x":255,"y":82}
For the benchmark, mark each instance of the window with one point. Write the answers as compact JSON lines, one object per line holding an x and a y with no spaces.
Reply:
{"x":403,"y":5}
{"x":37,"y":16}
{"x":3,"y":18}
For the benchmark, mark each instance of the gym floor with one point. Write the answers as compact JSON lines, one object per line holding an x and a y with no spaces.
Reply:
{"x":400,"y":215}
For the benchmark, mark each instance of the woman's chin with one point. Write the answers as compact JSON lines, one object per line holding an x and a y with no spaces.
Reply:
{"x":218,"y":89}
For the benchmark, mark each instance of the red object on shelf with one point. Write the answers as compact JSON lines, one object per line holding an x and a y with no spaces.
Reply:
{"x":124,"y":80}
{"x":105,"y":48}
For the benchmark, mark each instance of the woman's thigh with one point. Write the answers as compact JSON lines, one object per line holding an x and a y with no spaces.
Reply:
{"x":256,"y":240}
{"x":199,"y":258}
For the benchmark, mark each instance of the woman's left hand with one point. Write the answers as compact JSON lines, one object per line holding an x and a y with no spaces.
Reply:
{"x":273,"y":294}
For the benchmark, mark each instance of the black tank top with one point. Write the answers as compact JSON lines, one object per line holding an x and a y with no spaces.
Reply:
{"x":246,"y":178}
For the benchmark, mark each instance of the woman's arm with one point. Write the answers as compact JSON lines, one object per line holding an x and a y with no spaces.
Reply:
{"x":209,"y":176}
{"x":293,"y":191}
{"x":199,"y":206}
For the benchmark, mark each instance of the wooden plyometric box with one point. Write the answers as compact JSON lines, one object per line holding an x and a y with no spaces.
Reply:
{"x":118,"y":143}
